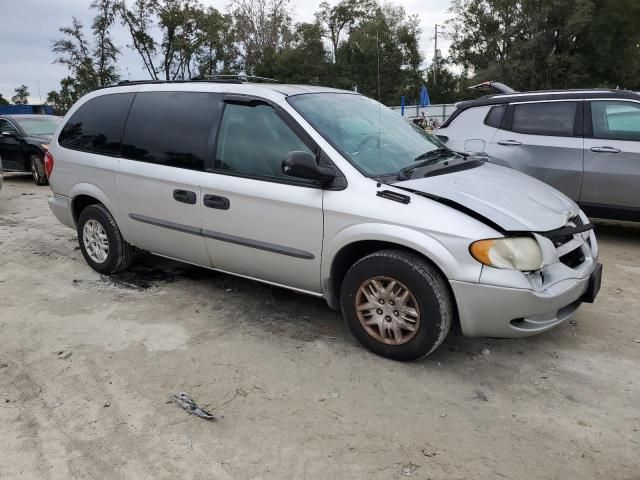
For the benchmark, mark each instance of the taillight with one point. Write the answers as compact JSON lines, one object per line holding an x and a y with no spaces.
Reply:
{"x":48,"y":163}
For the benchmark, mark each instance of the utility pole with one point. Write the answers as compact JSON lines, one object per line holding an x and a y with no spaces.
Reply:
{"x":435,"y":56}
{"x":39,"y":95}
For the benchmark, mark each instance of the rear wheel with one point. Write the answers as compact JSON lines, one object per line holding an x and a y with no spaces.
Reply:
{"x":396,"y":304}
{"x":37,"y":169}
{"x":101,"y":243}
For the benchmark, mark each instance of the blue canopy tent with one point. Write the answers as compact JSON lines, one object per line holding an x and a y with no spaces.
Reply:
{"x":424,"y":97}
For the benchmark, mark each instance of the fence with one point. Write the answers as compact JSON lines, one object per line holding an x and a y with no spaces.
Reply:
{"x":437,"y":112}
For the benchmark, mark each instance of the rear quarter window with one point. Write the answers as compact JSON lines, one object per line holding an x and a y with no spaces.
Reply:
{"x":495,"y":116}
{"x":97,"y":125}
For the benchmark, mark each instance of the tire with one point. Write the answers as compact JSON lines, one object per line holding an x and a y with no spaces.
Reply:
{"x":428,"y":307}
{"x":101,"y":228}
{"x":36,"y":162}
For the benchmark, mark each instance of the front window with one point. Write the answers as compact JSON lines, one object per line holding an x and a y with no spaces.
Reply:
{"x":375,"y":139}
{"x":39,"y":126}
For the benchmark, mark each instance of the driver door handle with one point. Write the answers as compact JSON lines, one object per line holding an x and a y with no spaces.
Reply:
{"x":214,"y":201}
{"x":605,"y":150}
{"x":509,"y":143}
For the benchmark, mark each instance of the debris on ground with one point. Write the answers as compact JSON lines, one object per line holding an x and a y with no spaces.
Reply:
{"x":185,"y":401}
{"x":409,"y":469}
{"x":106,"y":404}
{"x":485,"y":351}
{"x":329,"y":396}
{"x":480,"y":395}
{"x":573,"y":322}
{"x":64,"y":354}
{"x":4,"y":365}
{"x":637,"y":340}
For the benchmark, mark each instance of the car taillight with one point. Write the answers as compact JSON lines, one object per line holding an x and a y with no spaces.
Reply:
{"x":48,"y":163}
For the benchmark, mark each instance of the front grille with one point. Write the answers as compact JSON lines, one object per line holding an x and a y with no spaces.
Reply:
{"x":574,"y":258}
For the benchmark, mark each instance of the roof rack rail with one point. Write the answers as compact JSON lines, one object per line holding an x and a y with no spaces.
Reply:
{"x":141,"y":82}
{"x":239,"y":77}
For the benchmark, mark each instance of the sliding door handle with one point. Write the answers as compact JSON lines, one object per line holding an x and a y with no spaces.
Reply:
{"x":509,"y":143}
{"x":605,"y":150}
{"x":214,"y":201}
{"x":184,"y":196}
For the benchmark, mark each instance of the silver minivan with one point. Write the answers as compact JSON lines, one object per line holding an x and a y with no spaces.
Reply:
{"x":325,"y":192}
{"x":585,"y":143}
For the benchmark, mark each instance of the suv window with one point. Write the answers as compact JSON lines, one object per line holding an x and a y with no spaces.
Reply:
{"x":170,"y":128}
{"x":545,"y":118}
{"x":253,"y":140}
{"x":7,"y":126}
{"x":494,"y":117}
{"x":97,"y":125}
{"x":616,"y":120}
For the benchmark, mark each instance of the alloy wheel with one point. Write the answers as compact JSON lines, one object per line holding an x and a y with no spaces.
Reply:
{"x":387,"y":310}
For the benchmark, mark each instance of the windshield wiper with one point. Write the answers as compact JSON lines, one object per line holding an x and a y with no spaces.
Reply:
{"x":424,"y":160}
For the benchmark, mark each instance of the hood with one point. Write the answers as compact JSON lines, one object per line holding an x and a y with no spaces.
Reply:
{"x":512,"y":200}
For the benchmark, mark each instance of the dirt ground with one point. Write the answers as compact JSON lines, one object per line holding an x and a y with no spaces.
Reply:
{"x":300,"y":398}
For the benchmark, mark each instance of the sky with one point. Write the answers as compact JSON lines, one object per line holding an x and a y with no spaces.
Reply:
{"x":30,"y":26}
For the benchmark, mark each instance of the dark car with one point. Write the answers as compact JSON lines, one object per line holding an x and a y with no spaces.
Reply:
{"x":24,"y":139}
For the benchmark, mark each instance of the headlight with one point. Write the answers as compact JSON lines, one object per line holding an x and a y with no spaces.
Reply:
{"x":45,"y":146}
{"x":517,"y":253}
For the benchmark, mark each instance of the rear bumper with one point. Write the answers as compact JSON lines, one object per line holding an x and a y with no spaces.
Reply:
{"x":61,"y":208}
{"x":495,"y":311}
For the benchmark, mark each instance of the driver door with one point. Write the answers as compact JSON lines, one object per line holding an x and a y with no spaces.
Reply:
{"x":258,"y":222}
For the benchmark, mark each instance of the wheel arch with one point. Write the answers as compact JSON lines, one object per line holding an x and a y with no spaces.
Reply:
{"x":83,"y":195}
{"x":361,"y":241}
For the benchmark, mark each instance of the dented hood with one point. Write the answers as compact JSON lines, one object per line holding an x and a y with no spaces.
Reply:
{"x":512,"y":200}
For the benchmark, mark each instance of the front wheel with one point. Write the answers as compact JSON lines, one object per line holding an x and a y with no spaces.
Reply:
{"x":396,"y":304}
{"x":37,"y":170}
{"x":101,"y":242}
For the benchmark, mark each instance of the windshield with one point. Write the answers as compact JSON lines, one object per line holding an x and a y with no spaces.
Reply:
{"x":39,"y":126}
{"x":374,"y":138}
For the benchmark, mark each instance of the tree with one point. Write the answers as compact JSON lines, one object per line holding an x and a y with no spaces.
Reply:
{"x":537,"y":44}
{"x":218,"y":53}
{"x":64,"y":99}
{"x":92,"y":65}
{"x":342,"y":18}
{"x":381,"y":56}
{"x":306,"y":60}
{"x":22,"y":95}
{"x":192,"y":38}
{"x":3,"y":101}
{"x":262,"y":29}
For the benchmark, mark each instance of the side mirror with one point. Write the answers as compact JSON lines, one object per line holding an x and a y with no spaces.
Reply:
{"x":303,"y":165}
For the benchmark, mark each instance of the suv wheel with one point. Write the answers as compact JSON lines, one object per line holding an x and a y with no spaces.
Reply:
{"x":396,"y":304}
{"x":37,"y":170}
{"x":101,"y":242}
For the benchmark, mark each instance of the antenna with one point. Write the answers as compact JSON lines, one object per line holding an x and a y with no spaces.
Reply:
{"x":379,"y":104}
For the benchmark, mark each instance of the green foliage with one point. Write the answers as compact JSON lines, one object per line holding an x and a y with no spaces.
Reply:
{"x":541,"y":44}
{"x":22,"y":95}
{"x":3,"y":101}
{"x":68,"y":94}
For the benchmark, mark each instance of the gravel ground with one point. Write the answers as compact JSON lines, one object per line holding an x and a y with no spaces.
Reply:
{"x":300,"y":398}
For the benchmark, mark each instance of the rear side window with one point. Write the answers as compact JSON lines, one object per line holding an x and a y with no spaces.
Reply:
{"x":171,"y":128}
{"x":495,"y":115}
{"x":97,"y":125}
{"x":616,"y":120}
{"x":545,"y":118}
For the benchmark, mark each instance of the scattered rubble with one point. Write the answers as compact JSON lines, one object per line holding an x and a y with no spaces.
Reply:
{"x":186,"y":402}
